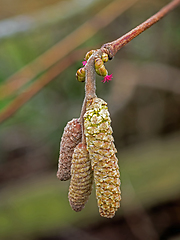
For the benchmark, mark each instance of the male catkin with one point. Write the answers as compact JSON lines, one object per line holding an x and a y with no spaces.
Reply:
{"x":71,"y":137}
{"x":81,"y":178}
{"x":102,"y":151}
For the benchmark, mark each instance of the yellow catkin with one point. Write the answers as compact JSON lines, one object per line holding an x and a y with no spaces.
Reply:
{"x":102,"y":151}
{"x":81,"y":178}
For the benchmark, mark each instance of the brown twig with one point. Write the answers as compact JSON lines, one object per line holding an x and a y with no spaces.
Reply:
{"x":57,"y":52}
{"x":112,"y":47}
{"x":65,"y":46}
{"x":90,"y":86}
{"x":81,"y":118}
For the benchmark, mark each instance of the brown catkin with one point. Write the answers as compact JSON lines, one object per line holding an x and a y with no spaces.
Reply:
{"x":102,"y":151}
{"x":81,"y":178}
{"x":71,"y":137}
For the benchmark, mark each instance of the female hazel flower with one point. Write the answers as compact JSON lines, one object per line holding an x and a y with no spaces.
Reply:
{"x":107,"y":78}
{"x":84,"y":63}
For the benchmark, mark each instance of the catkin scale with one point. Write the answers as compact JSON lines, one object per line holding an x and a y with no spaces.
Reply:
{"x":81,"y":178}
{"x":71,"y":137}
{"x":102,"y":151}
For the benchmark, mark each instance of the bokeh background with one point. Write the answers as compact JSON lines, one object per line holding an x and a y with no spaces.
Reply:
{"x":42,"y":44}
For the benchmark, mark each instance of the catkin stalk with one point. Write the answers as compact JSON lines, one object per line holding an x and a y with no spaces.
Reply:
{"x":102,"y":151}
{"x":71,"y":137}
{"x":81,"y":178}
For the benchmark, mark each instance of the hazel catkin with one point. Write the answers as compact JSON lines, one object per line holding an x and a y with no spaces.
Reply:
{"x":81,"y":178}
{"x":71,"y":137}
{"x":102,"y":151}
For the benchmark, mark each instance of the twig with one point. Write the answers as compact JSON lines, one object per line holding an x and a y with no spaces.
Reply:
{"x":113,"y":47}
{"x":90,"y":86}
{"x":65,"y":46}
{"x":83,"y":110}
{"x":110,"y":48}
{"x":116,"y":45}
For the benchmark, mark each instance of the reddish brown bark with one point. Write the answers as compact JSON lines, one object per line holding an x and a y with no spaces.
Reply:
{"x":112,"y":47}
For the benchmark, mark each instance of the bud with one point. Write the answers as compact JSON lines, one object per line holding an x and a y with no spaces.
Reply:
{"x":80,"y":74}
{"x":104,"y":57}
{"x":71,"y":137}
{"x":102,"y":151}
{"x":88,"y":54}
{"x":81,"y":178}
{"x":100,"y":68}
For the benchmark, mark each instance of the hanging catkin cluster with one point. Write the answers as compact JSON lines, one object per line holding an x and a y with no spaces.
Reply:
{"x":90,"y":154}
{"x":96,"y":153}
{"x":71,"y":137}
{"x":81,"y":178}
{"x":102,"y":151}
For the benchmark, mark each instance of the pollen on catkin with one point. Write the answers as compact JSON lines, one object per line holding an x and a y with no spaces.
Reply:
{"x":81,"y":178}
{"x":71,"y":137}
{"x":102,"y":151}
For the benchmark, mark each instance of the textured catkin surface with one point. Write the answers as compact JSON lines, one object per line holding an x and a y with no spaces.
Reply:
{"x":71,"y":137}
{"x":102,"y":151}
{"x":81,"y":178}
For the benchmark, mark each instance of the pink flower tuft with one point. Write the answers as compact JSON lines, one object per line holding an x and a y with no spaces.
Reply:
{"x":107,"y":78}
{"x":84,"y":63}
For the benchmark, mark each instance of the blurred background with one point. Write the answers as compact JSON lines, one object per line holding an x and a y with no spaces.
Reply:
{"x":42,"y":44}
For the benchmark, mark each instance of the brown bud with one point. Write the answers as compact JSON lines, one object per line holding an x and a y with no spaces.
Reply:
{"x":81,"y":178}
{"x":71,"y":137}
{"x":102,"y":151}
